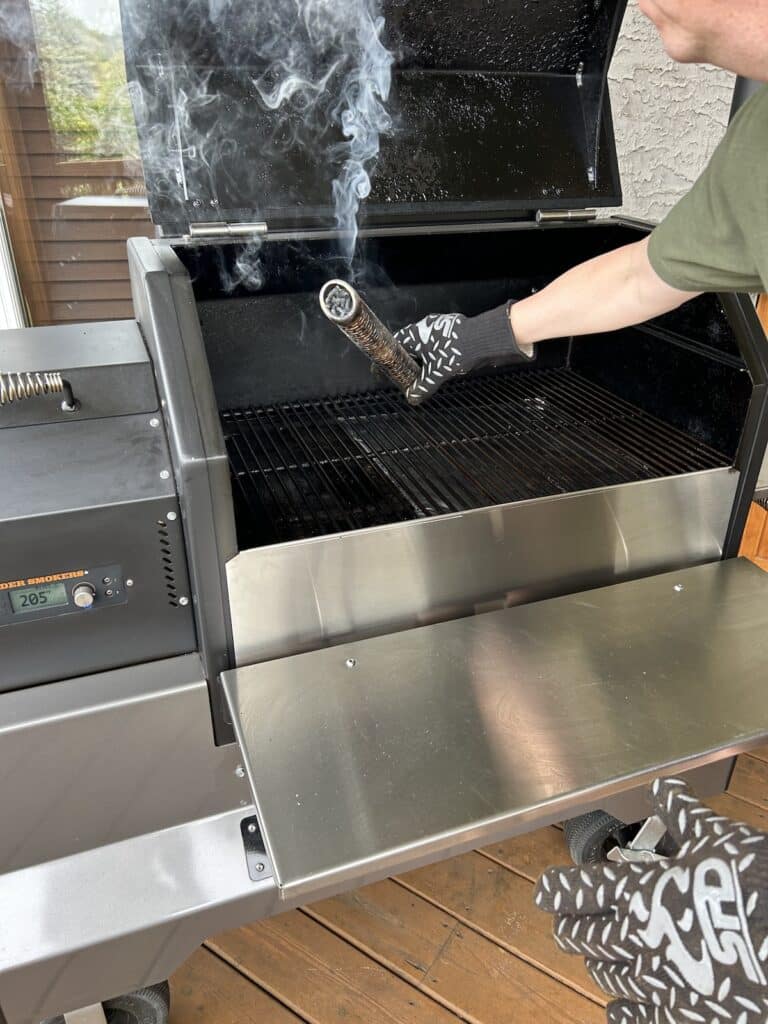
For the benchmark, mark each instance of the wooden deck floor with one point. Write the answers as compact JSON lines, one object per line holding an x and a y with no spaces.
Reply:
{"x":457,"y":941}
{"x":460,"y":940}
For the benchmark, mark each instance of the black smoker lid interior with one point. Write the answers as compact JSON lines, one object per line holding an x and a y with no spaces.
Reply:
{"x":500,"y":108}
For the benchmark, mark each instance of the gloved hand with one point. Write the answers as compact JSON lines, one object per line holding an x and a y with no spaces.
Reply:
{"x":684,"y":940}
{"x":451,"y":345}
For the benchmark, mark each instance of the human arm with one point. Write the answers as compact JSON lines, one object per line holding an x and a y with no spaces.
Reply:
{"x":615,"y":290}
{"x":713,"y":240}
{"x":612,"y":291}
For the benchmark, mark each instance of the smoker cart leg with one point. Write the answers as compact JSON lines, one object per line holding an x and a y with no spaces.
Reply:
{"x":146,"y":1006}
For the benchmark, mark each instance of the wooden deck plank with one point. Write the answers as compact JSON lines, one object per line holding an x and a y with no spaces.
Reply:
{"x":753,"y":532}
{"x":487,"y":981}
{"x":208,"y":991}
{"x":464,"y":970}
{"x":499,"y":904}
{"x":739,"y":810}
{"x":531,"y":854}
{"x":406,"y":932}
{"x":750,"y":781}
{"x":321,"y":977}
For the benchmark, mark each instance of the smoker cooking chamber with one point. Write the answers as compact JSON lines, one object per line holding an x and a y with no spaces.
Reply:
{"x":319,"y":443}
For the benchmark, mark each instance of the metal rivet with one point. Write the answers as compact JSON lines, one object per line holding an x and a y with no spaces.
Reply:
{"x":171,"y":517}
{"x":183,"y":601}
{"x":350,"y":662}
{"x":678,"y":587}
{"x":251,"y":828}
{"x":129,"y":583}
{"x":240,"y":772}
{"x":164,"y":474}
{"x":154,"y":422}
{"x":259,"y":866}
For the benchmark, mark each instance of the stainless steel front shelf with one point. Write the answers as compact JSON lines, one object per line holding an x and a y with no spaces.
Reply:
{"x":392,"y":751}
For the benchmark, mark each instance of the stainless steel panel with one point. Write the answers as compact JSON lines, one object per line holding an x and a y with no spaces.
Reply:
{"x":304,"y":595}
{"x":403,"y":748}
{"x":84,"y":928}
{"x":63,"y":467}
{"x":151,"y":900}
{"x":95,"y":760}
{"x":73,"y":346}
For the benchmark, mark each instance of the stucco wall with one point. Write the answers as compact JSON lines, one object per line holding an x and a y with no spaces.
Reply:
{"x":669,"y":118}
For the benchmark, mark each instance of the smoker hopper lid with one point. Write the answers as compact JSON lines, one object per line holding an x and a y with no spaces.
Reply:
{"x":500,"y":108}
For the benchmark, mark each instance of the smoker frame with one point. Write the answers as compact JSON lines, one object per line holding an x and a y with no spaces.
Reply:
{"x":164,"y":873}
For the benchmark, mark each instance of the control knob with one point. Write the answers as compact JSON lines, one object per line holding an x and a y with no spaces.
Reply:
{"x":84,"y":595}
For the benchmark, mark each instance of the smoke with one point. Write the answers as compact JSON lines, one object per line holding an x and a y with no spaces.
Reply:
{"x":19,"y":64}
{"x":342,"y":37}
{"x":246,"y":270}
{"x":364,"y":119}
{"x":265,"y":109}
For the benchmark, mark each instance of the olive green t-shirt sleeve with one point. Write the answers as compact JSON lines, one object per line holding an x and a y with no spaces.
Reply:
{"x":716,"y":238}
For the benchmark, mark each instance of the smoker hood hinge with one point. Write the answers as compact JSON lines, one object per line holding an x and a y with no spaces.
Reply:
{"x":224,"y":229}
{"x":557,"y":216}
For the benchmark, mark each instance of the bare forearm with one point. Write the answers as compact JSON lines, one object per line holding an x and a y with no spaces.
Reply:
{"x":615,"y":290}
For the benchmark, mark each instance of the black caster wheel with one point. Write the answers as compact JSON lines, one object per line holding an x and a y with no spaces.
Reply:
{"x":149,"y":1005}
{"x":146,"y":1006}
{"x":592,"y":836}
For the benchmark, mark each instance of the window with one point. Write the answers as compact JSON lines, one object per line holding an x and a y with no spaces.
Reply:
{"x":70,"y":174}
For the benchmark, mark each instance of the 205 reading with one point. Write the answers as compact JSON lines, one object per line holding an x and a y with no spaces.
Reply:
{"x":33,"y":599}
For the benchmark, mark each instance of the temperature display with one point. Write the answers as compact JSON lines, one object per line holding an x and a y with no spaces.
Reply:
{"x":34,"y":599}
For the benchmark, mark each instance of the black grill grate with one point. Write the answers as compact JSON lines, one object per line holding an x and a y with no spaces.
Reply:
{"x":336,"y":464}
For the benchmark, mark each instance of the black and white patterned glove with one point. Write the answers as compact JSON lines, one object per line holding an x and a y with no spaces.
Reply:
{"x":450,"y":345}
{"x":682,"y":941}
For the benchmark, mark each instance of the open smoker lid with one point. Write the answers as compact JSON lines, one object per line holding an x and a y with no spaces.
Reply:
{"x":498,"y":108}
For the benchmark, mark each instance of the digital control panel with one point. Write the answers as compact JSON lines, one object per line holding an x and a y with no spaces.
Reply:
{"x":69,"y":592}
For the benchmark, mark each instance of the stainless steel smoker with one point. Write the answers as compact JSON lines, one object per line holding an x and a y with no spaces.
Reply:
{"x":268,"y":632}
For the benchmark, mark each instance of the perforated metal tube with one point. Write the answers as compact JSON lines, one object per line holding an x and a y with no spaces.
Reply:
{"x":343,"y":306}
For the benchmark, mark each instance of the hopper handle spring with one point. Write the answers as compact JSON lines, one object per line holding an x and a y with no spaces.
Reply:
{"x":16,"y":387}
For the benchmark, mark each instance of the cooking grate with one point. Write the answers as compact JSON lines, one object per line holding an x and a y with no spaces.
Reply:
{"x":335,"y":464}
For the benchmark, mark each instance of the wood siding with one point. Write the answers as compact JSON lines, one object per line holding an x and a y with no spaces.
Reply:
{"x":69,"y":214}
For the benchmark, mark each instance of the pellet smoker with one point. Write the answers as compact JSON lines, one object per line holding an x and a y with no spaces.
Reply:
{"x":268,"y":632}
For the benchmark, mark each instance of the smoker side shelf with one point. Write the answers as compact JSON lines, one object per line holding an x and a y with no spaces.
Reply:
{"x":381,"y":754}
{"x":336,"y":464}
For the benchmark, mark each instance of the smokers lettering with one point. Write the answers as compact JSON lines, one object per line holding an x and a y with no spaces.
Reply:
{"x":722,"y":936}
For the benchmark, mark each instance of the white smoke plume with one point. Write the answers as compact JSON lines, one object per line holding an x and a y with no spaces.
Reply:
{"x":357,"y":83}
{"x":285,"y":108}
{"x":19,"y":63}
{"x":353,"y":88}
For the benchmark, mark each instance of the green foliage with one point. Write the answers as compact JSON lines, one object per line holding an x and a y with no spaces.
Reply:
{"x":86,"y":91}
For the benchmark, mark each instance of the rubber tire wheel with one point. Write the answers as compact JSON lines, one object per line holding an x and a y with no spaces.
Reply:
{"x":145,"y":1006}
{"x":149,"y":1005}
{"x":588,"y":836}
